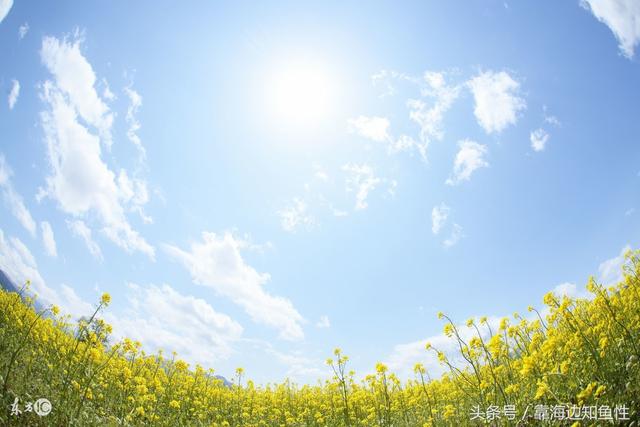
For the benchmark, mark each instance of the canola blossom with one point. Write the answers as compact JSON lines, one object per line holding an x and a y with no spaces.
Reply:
{"x":530,"y":370}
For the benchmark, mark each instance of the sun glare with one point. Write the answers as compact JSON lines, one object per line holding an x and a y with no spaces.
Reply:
{"x":300,"y":92}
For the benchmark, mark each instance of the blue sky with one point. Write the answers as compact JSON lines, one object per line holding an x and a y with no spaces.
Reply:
{"x":256,"y":184}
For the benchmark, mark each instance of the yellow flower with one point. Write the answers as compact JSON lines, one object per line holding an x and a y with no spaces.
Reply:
{"x":604,"y":341}
{"x":549,"y":298}
{"x":587,"y":392}
{"x":511,"y":388}
{"x":475,"y":342}
{"x":181,"y":365}
{"x":449,"y":411}
{"x":528,"y":364}
{"x":105,"y":299}
{"x":543,"y":388}
{"x":504,"y":324}
{"x":95,"y":354}
{"x":448,"y":329}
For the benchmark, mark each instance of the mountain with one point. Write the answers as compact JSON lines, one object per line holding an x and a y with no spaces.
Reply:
{"x":10,"y":285}
{"x":225,"y":382}
{"x":7,"y":284}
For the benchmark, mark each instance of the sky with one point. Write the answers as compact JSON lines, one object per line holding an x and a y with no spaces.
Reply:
{"x":258,"y":183}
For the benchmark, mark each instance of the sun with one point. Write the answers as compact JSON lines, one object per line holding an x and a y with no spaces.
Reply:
{"x":300,"y":92}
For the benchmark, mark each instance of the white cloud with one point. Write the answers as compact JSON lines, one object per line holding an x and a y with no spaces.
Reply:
{"x":135,"y":194}
{"x":539,"y":138}
{"x":106,"y":90}
{"x":374,"y":128}
{"x":74,"y":304}
{"x":13,"y":95}
{"x":454,"y":237}
{"x":5,"y":7}
{"x":300,"y":368}
{"x":497,"y":100}
{"x":320,"y":174}
{"x":610,"y":271}
{"x":135,"y":101}
{"x":20,"y":265}
{"x":405,"y":143}
{"x":162,"y":318}
{"x":217,"y":262}
{"x":387,"y":78}
{"x":550,"y":118}
{"x":437,"y":97}
{"x":569,"y":290}
{"x":295,"y":215}
{"x":393,"y":187}
{"x":469,"y":158}
{"x":13,"y":200}
{"x":338,"y":213}
{"x":75,"y":78}
{"x":48,"y":239}
{"x":404,"y":356}
{"x":362,"y":181}
{"x":323,"y":322}
{"x":623,"y":19}
{"x":439,"y":215}
{"x":80,"y":181}
{"x":430,"y":118}
{"x":80,"y":229}
{"x":23,"y":30}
